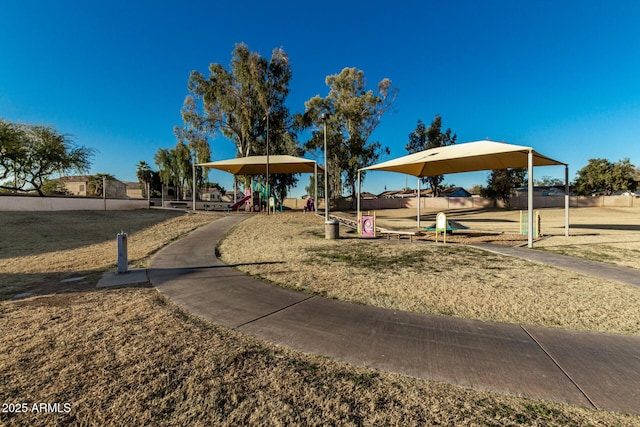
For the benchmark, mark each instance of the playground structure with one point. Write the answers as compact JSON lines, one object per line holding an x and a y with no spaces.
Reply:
{"x":256,"y":199}
{"x":444,"y":226}
{"x":259,"y":194}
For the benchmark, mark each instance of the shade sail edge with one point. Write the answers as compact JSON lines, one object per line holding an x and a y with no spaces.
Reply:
{"x":466,"y":157}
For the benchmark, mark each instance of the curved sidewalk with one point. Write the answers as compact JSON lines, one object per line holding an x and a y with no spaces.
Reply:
{"x":579,"y":368}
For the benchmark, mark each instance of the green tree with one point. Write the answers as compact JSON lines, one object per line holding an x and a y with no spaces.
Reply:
{"x":501,"y":183}
{"x":476,"y":189}
{"x":144,"y":175}
{"x":246,"y":104}
{"x":96,"y":183}
{"x":622,"y":176}
{"x":547,"y":181}
{"x":195,"y":134}
{"x":353,"y":114}
{"x":311,"y":188}
{"x":53,"y":187}
{"x":13,"y":143}
{"x":164,"y":159}
{"x":32,"y":154}
{"x":423,"y":138}
{"x":600,"y":176}
{"x":183,"y":167}
{"x":175,"y":168}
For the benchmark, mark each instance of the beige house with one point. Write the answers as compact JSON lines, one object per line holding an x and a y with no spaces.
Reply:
{"x":75,"y":185}
{"x":79,"y":186}
{"x":133,"y":190}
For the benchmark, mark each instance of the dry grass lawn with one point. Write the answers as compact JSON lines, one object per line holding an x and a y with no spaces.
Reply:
{"x":129,"y":357}
{"x":609,"y":235}
{"x":41,"y":249}
{"x":423,"y":277}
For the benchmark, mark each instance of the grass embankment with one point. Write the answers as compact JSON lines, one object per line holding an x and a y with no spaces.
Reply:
{"x":129,"y":357}
{"x":427,"y":278}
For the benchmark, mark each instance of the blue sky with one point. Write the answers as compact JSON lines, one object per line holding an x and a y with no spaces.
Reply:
{"x":560,"y":76}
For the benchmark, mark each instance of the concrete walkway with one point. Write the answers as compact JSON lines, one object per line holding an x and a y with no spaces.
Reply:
{"x":624,"y":275}
{"x":579,"y":368}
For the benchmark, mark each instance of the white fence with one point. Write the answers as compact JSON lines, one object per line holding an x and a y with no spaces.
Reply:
{"x":35,"y":203}
{"x":61,"y":203}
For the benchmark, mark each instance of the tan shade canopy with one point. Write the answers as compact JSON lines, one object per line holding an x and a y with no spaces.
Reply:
{"x":257,"y":165}
{"x":467,"y":157}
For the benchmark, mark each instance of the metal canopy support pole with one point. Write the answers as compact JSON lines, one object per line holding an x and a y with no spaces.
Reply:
{"x":419,"y":190}
{"x":193,"y":190}
{"x":315,"y":196}
{"x":530,"y":201}
{"x":325,"y":117}
{"x":268,"y":187}
{"x":566,"y":200}
{"x":358,"y":205}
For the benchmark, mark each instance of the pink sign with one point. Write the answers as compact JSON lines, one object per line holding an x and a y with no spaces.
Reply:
{"x":368,"y":226}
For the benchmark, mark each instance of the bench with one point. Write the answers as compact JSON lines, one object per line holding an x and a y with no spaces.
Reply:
{"x":178,"y":204}
{"x":217,"y":207}
{"x":399,"y":233}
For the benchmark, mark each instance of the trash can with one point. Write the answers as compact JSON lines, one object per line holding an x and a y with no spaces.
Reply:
{"x":331,"y":229}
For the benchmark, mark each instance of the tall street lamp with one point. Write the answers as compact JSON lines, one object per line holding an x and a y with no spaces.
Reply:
{"x":268,"y":186}
{"x":193,"y":189}
{"x":325,"y":117}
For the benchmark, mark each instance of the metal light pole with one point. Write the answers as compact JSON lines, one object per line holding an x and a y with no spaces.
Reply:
{"x":193,"y":193}
{"x":325,"y":117}
{"x":268,"y":186}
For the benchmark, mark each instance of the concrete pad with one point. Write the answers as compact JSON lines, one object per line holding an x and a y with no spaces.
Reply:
{"x":481,"y":355}
{"x":112,"y":279}
{"x":605,"y":367}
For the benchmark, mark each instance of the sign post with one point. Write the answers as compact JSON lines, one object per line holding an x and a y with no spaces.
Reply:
{"x":441,"y":225}
{"x":368,"y":225}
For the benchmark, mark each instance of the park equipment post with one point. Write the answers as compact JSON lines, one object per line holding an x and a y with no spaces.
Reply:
{"x":441,"y":225}
{"x":530,"y":198}
{"x":123,"y":262}
{"x":419,"y":190}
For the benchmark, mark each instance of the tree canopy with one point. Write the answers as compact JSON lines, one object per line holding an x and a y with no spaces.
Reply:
{"x":353,"y":114}
{"x":501,"y":183}
{"x":96,"y":183}
{"x":600,"y":176}
{"x":425,"y":138}
{"x":246,"y":104}
{"x":31,"y":154}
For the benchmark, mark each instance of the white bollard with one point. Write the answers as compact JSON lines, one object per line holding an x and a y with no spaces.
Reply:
{"x":123,"y":261}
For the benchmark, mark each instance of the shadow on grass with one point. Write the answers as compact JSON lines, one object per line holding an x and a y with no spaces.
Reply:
{"x":23,"y":285}
{"x":18,"y":286}
{"x":620,"y":227}
{"x":34,"y":233}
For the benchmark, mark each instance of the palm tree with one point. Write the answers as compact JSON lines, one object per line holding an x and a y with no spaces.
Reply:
{"x":143,"y":172}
